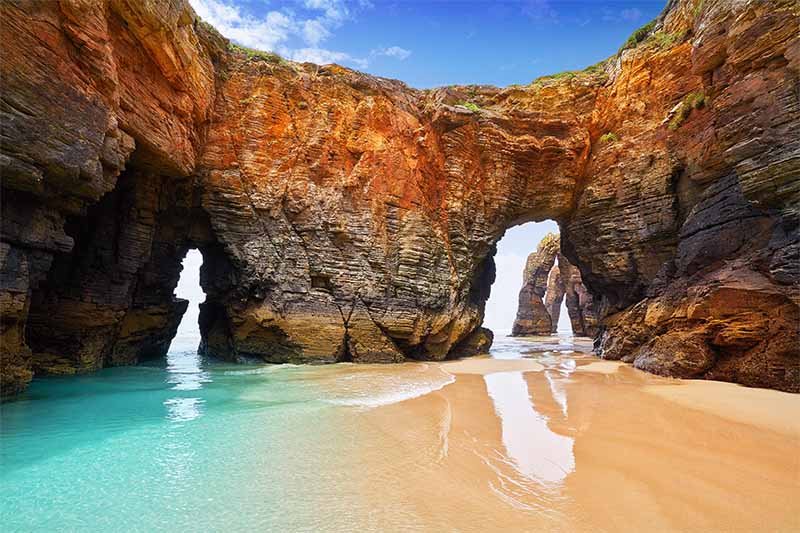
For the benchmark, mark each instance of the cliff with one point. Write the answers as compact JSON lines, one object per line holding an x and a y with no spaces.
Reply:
{"x":347,"y":217}
{"x":547,"y":280}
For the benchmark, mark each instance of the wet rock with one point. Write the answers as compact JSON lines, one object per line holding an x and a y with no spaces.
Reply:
{"x":554,"y":296}
{"x":681,"y":355}
{"x":478,"y":342}
{"x":579,"y":301}
{"x":542,"y":294}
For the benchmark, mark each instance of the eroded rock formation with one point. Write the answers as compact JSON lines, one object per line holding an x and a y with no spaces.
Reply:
{"x":548,"y":279}
{"x":533,"y":317}
{"x":579,"y":301}
{"x":347,"y":217}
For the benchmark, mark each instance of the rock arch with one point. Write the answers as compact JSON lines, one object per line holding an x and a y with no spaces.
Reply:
{"x":349,"y":217}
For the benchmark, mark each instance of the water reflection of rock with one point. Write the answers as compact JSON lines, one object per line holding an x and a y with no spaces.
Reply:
{"x":184,"y":371}
{"x":539,"y":452}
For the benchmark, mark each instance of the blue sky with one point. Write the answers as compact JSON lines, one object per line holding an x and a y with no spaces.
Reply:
{"x":433,"y":43}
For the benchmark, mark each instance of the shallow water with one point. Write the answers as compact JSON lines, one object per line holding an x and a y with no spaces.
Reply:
{"x":559,"y":441}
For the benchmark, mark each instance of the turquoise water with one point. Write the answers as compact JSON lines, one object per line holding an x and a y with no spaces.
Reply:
{"x":196,"y":445}
{"x":190,"y":445}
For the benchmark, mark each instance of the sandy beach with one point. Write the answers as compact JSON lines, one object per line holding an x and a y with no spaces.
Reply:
{"x":563,"y":441}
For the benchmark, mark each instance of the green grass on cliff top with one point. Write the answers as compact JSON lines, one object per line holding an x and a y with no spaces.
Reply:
{"x":252,"y":53}
{"x":469,"y":105}
{"x":597,"y":70}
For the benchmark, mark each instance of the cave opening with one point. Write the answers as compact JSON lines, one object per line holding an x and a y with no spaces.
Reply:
{"x":183,"y":358}
{"x":189,"y":288}
{"x":105,"y":297}
{"x":514,"y":290}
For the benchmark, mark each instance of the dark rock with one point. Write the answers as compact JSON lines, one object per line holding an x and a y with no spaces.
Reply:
{"x":681,"y":355}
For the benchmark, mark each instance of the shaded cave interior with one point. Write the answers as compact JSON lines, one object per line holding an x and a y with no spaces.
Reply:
{"x":110,"y":300}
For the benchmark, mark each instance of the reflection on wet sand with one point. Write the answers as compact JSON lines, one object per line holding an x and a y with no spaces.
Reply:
{"x":559,"y":448}
{"x":537,"y":451}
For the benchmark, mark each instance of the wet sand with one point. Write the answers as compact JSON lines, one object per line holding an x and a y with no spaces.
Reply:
{"x":562,"y":441}
{"x":484,"y":366}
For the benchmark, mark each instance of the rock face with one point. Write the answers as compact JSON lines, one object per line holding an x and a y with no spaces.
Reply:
{"x":579,"y":301}
{"x":347,"y":217}
{"x":533,"y":315}
{"x":548,"y":278}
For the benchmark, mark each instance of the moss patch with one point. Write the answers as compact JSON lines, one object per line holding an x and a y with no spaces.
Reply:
{"x":693,"y":100}
{"x":645,"y":36}
{"x":597,"y":71}
{"x":662,"y":40}
{"x":638,"y":36}
{"x":209,"y":28}
{"x":609,"y":137}
{"x":257,"y":55}
{"x":469,"y":105}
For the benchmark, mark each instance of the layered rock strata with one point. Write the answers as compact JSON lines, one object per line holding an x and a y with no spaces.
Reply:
{"x":348,"y":217}
{"x":547,"y":280}
{"x":533,"y":316}
{"x":579,"y":301}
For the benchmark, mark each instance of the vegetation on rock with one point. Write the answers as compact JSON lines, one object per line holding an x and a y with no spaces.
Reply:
{"x":598,"y":70}
{"x":698,"y":7}
{"x":609,"y":137}
{"x":638,"y":36}
{"x":693,"y":100}
{"x":258,"y":55}
{"x":475,"y":108}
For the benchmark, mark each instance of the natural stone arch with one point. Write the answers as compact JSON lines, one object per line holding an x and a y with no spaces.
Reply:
{"x":373,"y":208}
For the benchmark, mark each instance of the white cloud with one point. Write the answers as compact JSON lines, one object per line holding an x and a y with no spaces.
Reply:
{"x":279,"y":31}
{"x":314,"y":32}
{"x":539,"y":10}
{"x":265,"y":33}
{"x":335,"y":10}
{"x":392,"y":51}
{"x":322,"y":56}
{"x":631,"y":14}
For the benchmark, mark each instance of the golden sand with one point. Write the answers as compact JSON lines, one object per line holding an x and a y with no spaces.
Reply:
{"x":601,"y":367}
{"x":485,"y":366}
{"x":548,"y":448}
{"x":771,"y":410}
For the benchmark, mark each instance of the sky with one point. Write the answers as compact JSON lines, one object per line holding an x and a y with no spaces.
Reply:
{"x":189,"y":289}
{"x":428,"y":44}
{"x":433,"y":43}
{"x":512,"y":252}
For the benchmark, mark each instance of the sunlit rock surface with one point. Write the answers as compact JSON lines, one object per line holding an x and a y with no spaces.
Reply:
{"x":347,"y":217}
